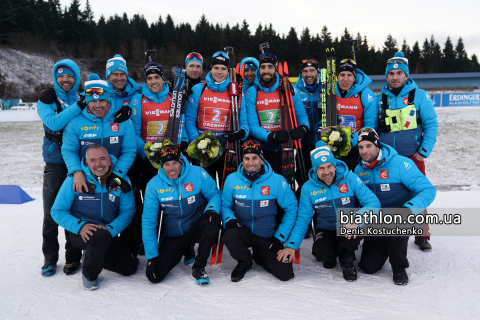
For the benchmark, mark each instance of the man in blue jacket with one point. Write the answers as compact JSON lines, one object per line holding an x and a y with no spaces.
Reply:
{"x":332,"y":186}
{"x":94,"y":219}
{"x":408,"y":121}
{"x":120,"y":87}
{"x":249,"y":205}
{"x":56,"y":107}
{"x":209,"y":109}
{"x":398,"y":184}
{"x":190,"y":204}
{"x":264,"y":112}
{"x":356,"y":105}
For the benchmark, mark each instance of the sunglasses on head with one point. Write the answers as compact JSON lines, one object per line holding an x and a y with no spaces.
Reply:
{"x":366,"y":131}
{"x":251,"y":143}
{"x":348,"y":60}
{"x":91,"y":91}
{"x":267,"y":55}
{"x":220,"y":53}
{"x":397,"y":60}
{"x":309,"y":61}
{"x":169,"y":148}
{"x":192,"y":55}
{"x":62,"y":66}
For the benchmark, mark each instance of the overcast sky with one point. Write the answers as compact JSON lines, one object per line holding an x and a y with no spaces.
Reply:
{"x":410,"y":19}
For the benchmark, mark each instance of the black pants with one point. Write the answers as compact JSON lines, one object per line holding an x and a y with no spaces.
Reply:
{"x":103,"y":251}
{"x":329,"y":246}
{"x":352,"y":159}
{"x":140,"y":174}
{"x":238,"y":240}
{"x":274,"y":158}
{"x":53,"y":177}
{"x":376,"y":250}
{"x":215,"y":168}
{"x":306,"y":149}
{"x":171,"y":249}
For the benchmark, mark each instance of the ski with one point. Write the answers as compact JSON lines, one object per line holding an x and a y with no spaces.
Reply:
{"x":173,"y":104}
{"x":334,"y":83}
{"x":323,"y":78}
{"x":328,"y":113}
{"x":179,"y":105}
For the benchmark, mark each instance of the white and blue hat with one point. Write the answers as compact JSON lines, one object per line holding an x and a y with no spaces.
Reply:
{"x":398,"y":62}
{"x":95,"y":82}
{"x":321,"y":155}
{"x":116,"y":63}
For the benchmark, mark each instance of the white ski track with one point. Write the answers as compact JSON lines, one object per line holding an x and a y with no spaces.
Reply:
{"x":444,"y":283}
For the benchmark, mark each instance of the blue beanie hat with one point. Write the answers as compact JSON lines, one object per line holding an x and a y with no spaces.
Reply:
{"x":194,"y":57}
{"x":95,"y":82}
{"x":320,"y":155}
{"x":116,"y":63}
{"x":62,"y":69}
{"x":398,"y":62}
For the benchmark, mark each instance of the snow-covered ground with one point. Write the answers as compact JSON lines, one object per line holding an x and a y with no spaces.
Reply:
{"x":444,"y":283}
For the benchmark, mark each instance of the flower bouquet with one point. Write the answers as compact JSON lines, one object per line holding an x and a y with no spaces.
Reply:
{"x":206,"y":149}
{"x":337,"y":138}
{"x":152,"y":150}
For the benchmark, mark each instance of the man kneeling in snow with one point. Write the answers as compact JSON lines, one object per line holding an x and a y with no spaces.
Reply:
{"x":94,"y":219}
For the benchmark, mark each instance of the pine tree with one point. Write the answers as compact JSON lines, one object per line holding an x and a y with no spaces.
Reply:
{"x":449,"y":59}
{"x":462,"y":58}
{"x":414,"y":60}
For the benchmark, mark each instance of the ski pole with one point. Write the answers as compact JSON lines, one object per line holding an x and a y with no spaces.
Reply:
{"x":353,"y":43}
{"x":160,"y":226}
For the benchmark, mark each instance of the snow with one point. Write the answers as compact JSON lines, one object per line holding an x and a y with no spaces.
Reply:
{"x":444,"y":283}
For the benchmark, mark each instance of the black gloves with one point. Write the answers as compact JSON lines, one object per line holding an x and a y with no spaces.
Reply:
{"x":152,"y":267}
{"x":231,"y":224}
{"x":82,"y":103}
{"x":276,"y":245}
{"x":299,"y":133}
{"x":183,"y":146}
{"x":278,"y":136}
{"x":233,"y":136}
{"x":114,"y":181}
{"x":48,"y":96}
{"x":123,"y":114}
{"x":212,"y":217}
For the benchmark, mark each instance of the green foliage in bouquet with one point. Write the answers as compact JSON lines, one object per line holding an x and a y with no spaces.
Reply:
{"x":337,"y":138}
{"x":206,"y":149}
{"x":153,"y":151}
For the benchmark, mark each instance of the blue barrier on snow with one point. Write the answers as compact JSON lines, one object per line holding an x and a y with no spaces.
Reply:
{"x":13,"y":194}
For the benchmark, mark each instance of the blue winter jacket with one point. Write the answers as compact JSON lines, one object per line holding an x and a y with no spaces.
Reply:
{"x":191,"y":110}
{"x":53,"y":122}
{"x":347,"y":191}
{"x":86,"y":129}
{"x":183,"y":202}
{"x":423,"y":138}
{"x":254,"y":205}
{"x":136,"y":104}
{"x":114,"y":209}
{"x":397,"y":182}
{"x":368,"y":99}
{"x":253,"y":122}
{"x":118,"y":100}
{"x":313,"y":108}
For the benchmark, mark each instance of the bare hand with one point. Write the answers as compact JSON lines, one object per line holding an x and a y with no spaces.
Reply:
{"x":418,"y":156}
{"x":350,"y":226}
{"x":87,"y":230}
{"x":285,"y":253}
{"x":79,"y":181}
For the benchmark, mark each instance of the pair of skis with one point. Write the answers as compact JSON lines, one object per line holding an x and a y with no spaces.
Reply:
{"x":176,"y":118}
{"x":232,"y":154}
{"x":329,"y":98}
{"x":289,"y":122}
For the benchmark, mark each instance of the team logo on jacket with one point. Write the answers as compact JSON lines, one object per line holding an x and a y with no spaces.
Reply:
{"x":111,"y":197}
{"x":405,"y":100}
{"x":385,"y":187}
{"x":114,"y":127}
{"x":346,"y":200}
{"x":265,"y":191}
{"x":264,"y":203}
{"x":407,"y":166}
{"x":191,"y":199}
{"x":383,"y":174}
{"x":188,"y":187}
{"x":343,"y":188}
{"x":126,"y":102}
{"x":113,"y":140}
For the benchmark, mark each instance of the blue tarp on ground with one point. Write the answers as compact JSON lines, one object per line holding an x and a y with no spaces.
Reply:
{"x":13,"y":194}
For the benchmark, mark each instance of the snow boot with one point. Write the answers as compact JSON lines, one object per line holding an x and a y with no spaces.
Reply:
{"x":239,"y":272}
{"x":329,"y":264}
{"x":200,"y":275}
{"x":189,"y":256}
{"x":349,"y":272}
{"x":71,"y":268}
{"x":400,"y":277}
{"x":90,"y":285}
{"x":423,"y":244}
{"x":141,"y":250}
{"x":48,"y":271}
